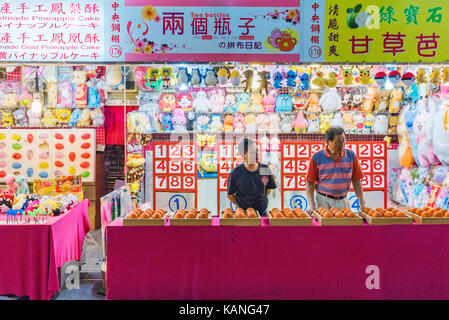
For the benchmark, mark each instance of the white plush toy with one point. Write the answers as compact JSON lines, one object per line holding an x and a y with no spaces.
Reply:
{"x":286,"y":123}
{"x":330,"y":101}
{"x":201,"y":103}
{"x":438,"y":132}
{"x":381,"y":124}
{"x":337,"y":121}
{"x":114,"y":78}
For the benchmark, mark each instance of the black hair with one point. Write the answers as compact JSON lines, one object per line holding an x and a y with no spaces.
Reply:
{"x":244,"y":145}
{"x":332,"y":132}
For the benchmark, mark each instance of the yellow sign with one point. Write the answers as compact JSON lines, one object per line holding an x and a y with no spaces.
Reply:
{"x":386,"y":31}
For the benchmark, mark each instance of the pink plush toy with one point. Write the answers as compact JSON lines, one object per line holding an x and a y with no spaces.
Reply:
{"x":216,"y":101}
{"x":239,"y":123}
{"x":274,"y":123}
{"x":179,"y":119}
{"x":11,"y":186}
{"x":300,"y":124}
{"x":269,"y":101}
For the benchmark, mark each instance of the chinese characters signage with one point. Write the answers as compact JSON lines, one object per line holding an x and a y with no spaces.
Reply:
{"x":52,"y":31}
{"x":386,"y":31}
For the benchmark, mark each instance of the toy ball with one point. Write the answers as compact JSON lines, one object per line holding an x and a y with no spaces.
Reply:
{"x":394,"y":76}
{"x":408,"y":78}
{"x":380,"y":78}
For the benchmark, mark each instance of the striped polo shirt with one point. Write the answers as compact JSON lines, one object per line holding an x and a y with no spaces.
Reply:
{"x":334,"y":177}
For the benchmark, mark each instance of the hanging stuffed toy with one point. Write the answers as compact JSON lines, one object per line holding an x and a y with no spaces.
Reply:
{"x":313,"y":105}
{"x":97,"y":118}
{"x":331,"y":80}
{"x":394,"y":77}
{"x":395,"y":100}
{"x":235,"y":78}
{"x":223,"y":76}
{"x":81,"y":88}
{"x":201,"y":103}
{"x":167,"y":102}
{"x":284,"y":103}
{"x":404,"y":150}
{"x":438,"y":133}
{"x":211,"y":78}
{"x":300,"y":124}
{"x":348,"y":123}
{"x":369,"y":124}
{"x":93,"y":99}
{"x":286,"y":123}
{"x":196,"y":77}
{"x":216,"y":101}
{"x":421,"y":76}
{"x":269,"y":101}
{"x":277,"y":80}
{"x":229,"y":104}
{"x":330,"y":101}
{"x":445,"y":74}
{"x":325,"y":121}
{"x":305,"y":81}
{"x":63,"y":116}
{"x":435,"y":76}
{"x":264,"y":76}
{"x":380,"y":79}
{"x":357,"y":94}
{"x":337,"y":121}
{"x":365,"y":76}
{"x":313,"y":123}
{"x":301,"y":100}
{"x":411,"y":94}
{"x":179,"y":120}
{"x":368,"y":101}
{"x":74,"y":118}
{"x":248,"y":82}
{"x":291,"y":77}
{"x":202,"y":123}
{"x":166,"y":121}
{"x":256,"y":103}
{"x":381,"y":124}
{"x":239,"y":123}
{"x":319,"y":80}
{"x":184,"y":101}
{"x":410,"y":116}
{"x":393,"y":125}
{"x":347,"y":76}
{"x":243,"y":102}
{"x":183,"y":76}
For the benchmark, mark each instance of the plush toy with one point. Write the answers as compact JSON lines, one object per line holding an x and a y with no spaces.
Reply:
{"x":301,"y":100}
{"x":369,"y":124}
{"x":211,"y":78}
{"x":190,"y":120}
{"x":243,"y":102}
{"x":314,"y":123}
{"x":222,"y":76}
{"x":331,"y":80}
{"x":256,"y":103}
{"x":357,"y":94}
{"x":286,"y":123}
{"x":93,"y":97}
{"x":138,"y":122}
{"x":179,"y":120}
{"x":84,"y":121}
{"x":22,"y":185}
{"x":63,"y":116}
{"x":411,"y":94}
{"x":74,"y":118}
{"x":269,"y":101}
{"x":345,"y":94}
{"x":410,"y":116}
{"x":395,"y":100}
{"x":291,"y":77}
{"x":337,"y":121}
{"x":166,"y":121}
{"x":81,"y":88}
{"x":229,"y":104}
{"x":34,"y":117}
{"x":274,"y":147}
{"x":277,"y":80}
{"x":215,"y":124}
{"x":10,"y":100}
{"x":445,"y":74}
{"x":265,"y":143}
{"x":20,"y":118}
{"x":25,"y":97}
{"x":421,"y":76}
{"x":264,"y":76}
{"x":284,"y":103}
{"x":380,"y":79}
{"x":250,"y":123}
{"x":228,"y":123}
{"x":382,"y":101}
{"x":348,"y":123}
{"x":65,"y":95}
{"x":248,"y":81}
{"x":11,"y":185}
{"x":394,"y":77}
{"x":196,"y":77}
{"x":319,"y":80}
{"x":426,"y":156}
{"x":235,"y":78}
{"x":114,"y":77}
{"x":393,"y":124}
{"x":6,"y":201}
{"x":201,"y":103}
{"x":325,"y":121}
{"x":330,"y":101}
{"x":359,"y":123}
{"x":183,"y":76}
{"x":167,"y":102}
{"x":347,"y":76}
{"x":305,"y":82}
{"x":381,"y":124}
{"x":300,"y":124}
{"x":7,"y":118}
{"x":364,"y":76}
{"x":152,"y":80}
{"x":184,"y":101}
{"x":239,"y":123}
{"x":148,"y":102}
{"x":97,"y":118}
{"x":368,"y":101}
{"x":274,"y":123}
{"x":313,"y":105}
{"x":216,"y":101}
{"x":262,"y":122}
{"x":404,"y":150}
{"x":435,"y":76}
{"x":202,"y":123}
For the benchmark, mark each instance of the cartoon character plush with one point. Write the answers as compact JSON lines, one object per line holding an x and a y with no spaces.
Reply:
{"x":250,"y":123}
{"x":347,"y":76}
{"x":65,"y":95}
{"x":211,"y":78}
{"x":34,"y":117}
{"x":262,"y":122}
{"x":216,"y":101}
{"x":274,"y":123}
{"x":243,"y":102}
{"x":228,"y":123}
{"x":301,"y":100}
{"x":81,"y":88}
{"x":435,"y":76}
{"x":394,"y":77}
{"x":114,"y":77}
{"x":277,"y":80}
{"x":364,"y":76}
{"x":74,"y":118}
{"x":63,"y":116}
{"x":166,"y":121}
{"x":167,"y":76}
{"x":7,"y":118}
{"x":404,"y":150}
{"x":291,"y":77}
{"x":382,"y":101}
{"x":148,"y":102}
{"x":183,"y":76}
{"x":264,"y":76}
{"x":445,"y":74}
{"x":10,"y":100}
{"x":196,"y":78}
{"x":319,"y":80}
{"x":381,"y":124}
{"x":179,"y":120}
{"x":359,"y":123}
{"x":22,"y":185}
{"x":97,"y":118}
{"x":380,"y":79}
{"x":20,"y":118}
{"x":84,"y":120}
{"x":286,"y":123}
{"x":284,"y":103}
{"x":348,"y":123}
{"x":235,"y":78}
{"x":202,"y":123}
{"x":325,"y":121}
{"x":305,"y":82}
{"x":215,"y":124}
{"x":313,"y":105}
{"x":426,"y":156}
{"x":184,"y":101}
{"x":314,"y":123}
{"x":167,"y":102}
{"x":256,"y":103}
{"x":11,"y":185}
{"x":337,"y":121}
{"x":357,"y":94}
{"x":269,"y":101}
{"x":330,"y":101}
{"x":345,"y":94}
{"x":368,"y":101}
{"x":229,"y":104}
{"x":222,"y":76}
{"x":93,"y":98}
{"x":190,"y":120}
{"x":395,"y":100}
{"x":239,"y":123}
{"x":421,"y":76}
{"x":369,"y":123}
{"x":300,"y":124}
{"x":331,"y":80}
{"x":201,"y":103}
{"x":25,"y":98}
{"x":393,"y":125}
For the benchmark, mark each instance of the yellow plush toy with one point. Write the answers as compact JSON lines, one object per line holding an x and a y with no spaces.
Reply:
{"x":365,"y":76}
{"x":347,"y":76}
{"x":445,"y":74}
{"x":63,"y":115}
{"x":325,"y":121}
{"x":7,"y":118}
{"x":319,"y":80}
{"x":332,"y":80}
{"x":49,"y":119}
{"x":435,"y":76}
{"x":421,"y":76}
{"x":395,"y":100}
{"x":368,"y":101}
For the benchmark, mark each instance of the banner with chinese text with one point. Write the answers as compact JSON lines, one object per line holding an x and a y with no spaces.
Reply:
{"x":386,"y":31}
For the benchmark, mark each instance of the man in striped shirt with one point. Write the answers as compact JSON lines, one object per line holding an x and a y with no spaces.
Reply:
{"x":331,"y":172}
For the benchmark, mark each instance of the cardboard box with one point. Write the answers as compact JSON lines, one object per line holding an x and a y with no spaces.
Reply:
{"x":358,"y":221}
{"x":289,"y":222}
{"x":240,"y":222}
{"x":382,"y":221}
{"x":427,"y":220}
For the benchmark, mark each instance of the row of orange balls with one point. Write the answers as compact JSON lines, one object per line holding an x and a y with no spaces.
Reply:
{"x":428,"y":212}
{"x":147,"y":214}
{"x":239,"y":213}
{"x":385,"y":213}
{"x":336,"y":213}
{"x":191,"y":214}
{"x":288,"y":213}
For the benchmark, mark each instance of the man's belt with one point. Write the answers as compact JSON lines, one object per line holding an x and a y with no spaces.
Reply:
{"x":332,"y":197}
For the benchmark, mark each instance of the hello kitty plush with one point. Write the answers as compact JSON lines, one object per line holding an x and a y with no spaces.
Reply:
{"x":184,"y":101}
{"x":202,"y":123}
{"x":34,"y":117}
{"x":274,"y":123}
{"x":179,"y":120}
{"x":426,"y":156}
{"x":216,"y":101}
{"x":300,"y":124}
{"x":286,"y":123}
{"x":325,"y":121}
{"x":239,"y":123}
{"x":380,"y":124}
{"x":330,"y":101}
{"x":201,"y":103}
{"x":229,"y":104}
{"x":359,"y":122}
{"x":314,"y":123}
{"x":250,"y":123}
{"x":262,"y":122}
{"x":81,"y":88}
{"x":337,"y":121}
{"x":65,"y":95}
{"x":269,"y":101}
{"x":215,"y":125}
{"x":243,"y":102}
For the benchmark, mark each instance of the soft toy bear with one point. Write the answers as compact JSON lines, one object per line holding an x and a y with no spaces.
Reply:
{"x":381,"y":124}
{"x":393,"y":125}
{"x":348,"y":123}
{"x":314,"y":103}
{"x":215,"y":124}
{"x":382,"y":101}
{"x":330,"y":101}
{"x":395,"y":100}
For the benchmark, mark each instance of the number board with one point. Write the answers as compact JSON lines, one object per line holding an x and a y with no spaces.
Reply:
{"x":228,"y":158}
{"x":295,"y":158}
{"x":174,"y":168}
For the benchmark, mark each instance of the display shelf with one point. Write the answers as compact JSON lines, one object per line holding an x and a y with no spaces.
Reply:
{"x":382,"y":221}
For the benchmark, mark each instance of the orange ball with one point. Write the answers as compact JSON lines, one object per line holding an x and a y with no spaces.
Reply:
{"x":132,"y":215}
{"x":400,"y":214}
{"x":388,"y":214}
{"x":327,"y":215}
{"x":339,"y":214}
{"x":377,"y":214}
{"x":203,"y":215}
{"x":252,"y":215}
{"x":240,"y":215}
{"x":438,"y":214}
{"x":426,"y":214}
{"x":446,"y":215}
{"x":191,"y":215}
{"x":144,"y":216}
{"x":157,"y":215}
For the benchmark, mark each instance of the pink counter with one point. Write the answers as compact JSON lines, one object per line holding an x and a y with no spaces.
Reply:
{"x":230,"y":262}
{"x":30,"y":255}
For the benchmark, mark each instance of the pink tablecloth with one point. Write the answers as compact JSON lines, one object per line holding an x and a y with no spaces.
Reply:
{"x":226,"y":262}
{"x":32,"y":254}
